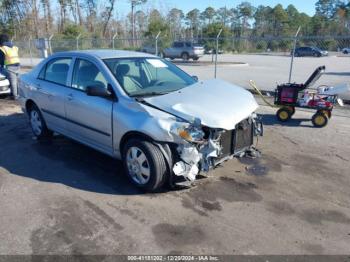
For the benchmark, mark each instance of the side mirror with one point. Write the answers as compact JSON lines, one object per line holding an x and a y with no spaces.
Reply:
{"x":98,"y":91}
{"x":195,"y":78}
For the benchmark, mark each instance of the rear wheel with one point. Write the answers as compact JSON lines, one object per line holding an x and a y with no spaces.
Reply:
{"x":37,"y":123}
{"x":320,"y":120}
{"x":283,"y":114}
{"x":144,"y":164}
{"x":195,"y":58}
{"x":291,"y":110}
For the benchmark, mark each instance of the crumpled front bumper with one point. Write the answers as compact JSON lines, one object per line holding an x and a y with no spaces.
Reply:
{"x":220,"y":146}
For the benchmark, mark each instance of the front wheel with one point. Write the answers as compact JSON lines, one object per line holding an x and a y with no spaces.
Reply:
{"x":144,"y":164}
{"x":37,"y":123}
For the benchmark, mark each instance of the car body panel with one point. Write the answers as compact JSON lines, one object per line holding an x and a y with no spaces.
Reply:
{"x":4,"y":85}
{"x":216,"y":103}
{"x":102,"y":123}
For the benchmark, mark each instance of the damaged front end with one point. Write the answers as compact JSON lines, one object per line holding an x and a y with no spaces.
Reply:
{"x":204,"y":148}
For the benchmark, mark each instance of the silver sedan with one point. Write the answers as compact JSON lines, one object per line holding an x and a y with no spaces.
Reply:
{"x":161,"y":122}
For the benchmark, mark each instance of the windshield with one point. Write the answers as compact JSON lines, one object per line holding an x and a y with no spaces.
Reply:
{"x":142,"y":76}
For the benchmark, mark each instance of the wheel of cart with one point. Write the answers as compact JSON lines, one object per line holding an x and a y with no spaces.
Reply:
{"x":292,"y":110}
{"x":320,"y":118}
{"x":327,"y":112}
{"x":285,"y":113}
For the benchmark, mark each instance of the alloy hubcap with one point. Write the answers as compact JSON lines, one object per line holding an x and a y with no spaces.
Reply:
{"x":35,"y":122}
{"x":138,"y":165}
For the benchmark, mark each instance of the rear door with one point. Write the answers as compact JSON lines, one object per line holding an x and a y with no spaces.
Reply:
{"x":52,"y":90}
{"x":89,"y":118}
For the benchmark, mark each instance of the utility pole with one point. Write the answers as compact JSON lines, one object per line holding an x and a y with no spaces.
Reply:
{"x":293,"y":54}
{"x":132,"y":21}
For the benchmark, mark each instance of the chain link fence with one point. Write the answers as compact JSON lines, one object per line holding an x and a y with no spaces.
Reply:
{"x":232,"y":45}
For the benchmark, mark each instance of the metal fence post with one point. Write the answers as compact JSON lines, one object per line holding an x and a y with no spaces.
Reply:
{"x":293,"y":53}
{"x":157,"y":43}
{"x":30,"y":50}
{"x":114,"y":36}
{"x":217,"y":51}
{"x":50,"y":47}
{"x":77,"y":39}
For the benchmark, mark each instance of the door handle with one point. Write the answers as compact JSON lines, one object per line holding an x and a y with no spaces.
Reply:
{"x":70,"y":97}
{"x":37,"y":87}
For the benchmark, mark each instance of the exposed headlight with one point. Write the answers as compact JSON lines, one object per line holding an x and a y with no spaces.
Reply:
{"x":188,"y":132}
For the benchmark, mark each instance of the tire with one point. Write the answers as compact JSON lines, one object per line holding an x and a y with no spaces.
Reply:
{"x":291,"y":110}
{"x":328,"y":113}
{"x":162,"y":55}
{"x":319,"y":120}
{"x":346,"y":52}
{"x":38,"y":124}
{"x":185,"y":56}
{"x":144,"y":164}
{"x":195,"y":58}
{"x":283,"y":114}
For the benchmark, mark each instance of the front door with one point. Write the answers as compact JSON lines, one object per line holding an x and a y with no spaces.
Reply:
{"x":89,"y":118}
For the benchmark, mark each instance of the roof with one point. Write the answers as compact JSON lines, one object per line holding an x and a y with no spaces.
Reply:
{"x":107,"y":53}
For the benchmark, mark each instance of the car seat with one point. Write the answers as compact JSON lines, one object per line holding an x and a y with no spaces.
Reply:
{"x":129,"y":83}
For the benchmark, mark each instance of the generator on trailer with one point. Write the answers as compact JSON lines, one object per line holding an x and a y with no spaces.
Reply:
{"x":290,"y":96}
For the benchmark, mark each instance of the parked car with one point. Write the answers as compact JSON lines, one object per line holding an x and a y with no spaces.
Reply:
{"x":310,"y":51}
{"x":346,"y":50}
{"x":184,"y":50}
{"x":4,"y":85}
{"x":141,"y":109}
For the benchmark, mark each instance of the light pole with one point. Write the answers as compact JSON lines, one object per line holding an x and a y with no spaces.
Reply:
{"x":77,"y":39}
{"x":114,"y":36}
{"x":216,"y":51}
{"x":157,"y":42}
{"x":293,"y":53}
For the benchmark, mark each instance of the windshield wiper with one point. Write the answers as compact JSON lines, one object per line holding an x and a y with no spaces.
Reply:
{"x":149,"y":94}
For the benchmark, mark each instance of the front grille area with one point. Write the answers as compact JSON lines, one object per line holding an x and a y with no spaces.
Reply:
{"x":238,"y":140}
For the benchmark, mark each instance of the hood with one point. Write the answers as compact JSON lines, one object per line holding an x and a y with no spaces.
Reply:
{"x":216,"y":103}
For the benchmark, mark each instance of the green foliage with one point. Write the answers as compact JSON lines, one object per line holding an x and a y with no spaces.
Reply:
{"x":212,"y":30}
{"x":72,"y":31}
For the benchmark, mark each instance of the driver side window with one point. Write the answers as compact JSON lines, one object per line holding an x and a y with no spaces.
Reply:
{"x":87,"y":74}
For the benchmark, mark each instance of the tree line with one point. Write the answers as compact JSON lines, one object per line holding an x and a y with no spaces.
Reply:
{"x":98,"y":19}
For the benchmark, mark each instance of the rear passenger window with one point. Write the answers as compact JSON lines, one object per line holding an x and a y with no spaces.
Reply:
{"x":178,"y":44}
{"x":57,"y":71}
{"x":188,"y":44}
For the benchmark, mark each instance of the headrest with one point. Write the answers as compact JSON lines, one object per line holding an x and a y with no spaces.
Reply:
{"x":60,"y":68}
{"x":122,"y":69}
{"x":88,"y":72}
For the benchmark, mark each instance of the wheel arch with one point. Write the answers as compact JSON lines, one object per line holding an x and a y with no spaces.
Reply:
{"x":132,"y":135}
{"x":29,"y":104}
